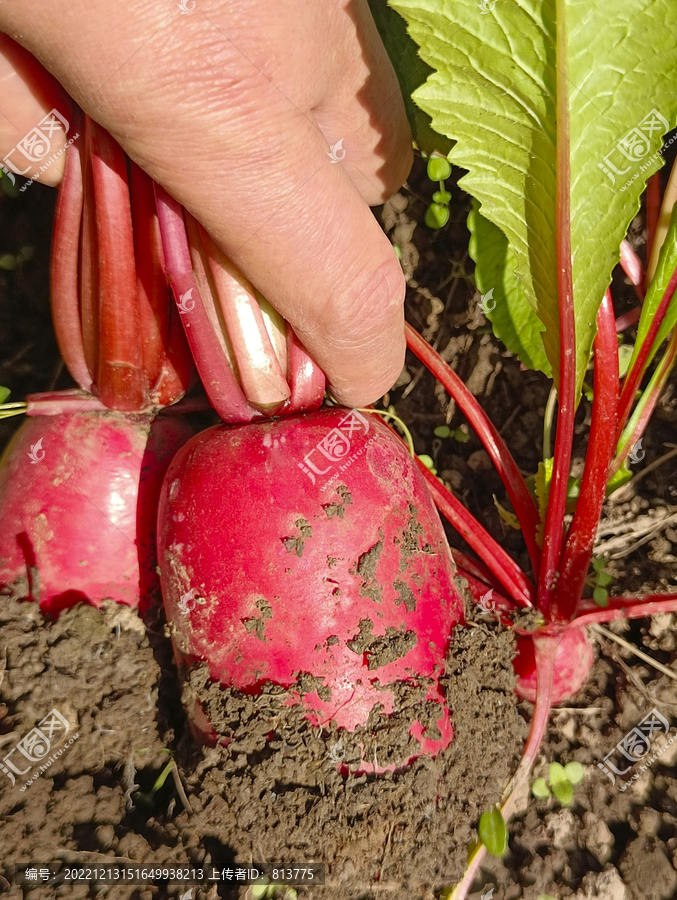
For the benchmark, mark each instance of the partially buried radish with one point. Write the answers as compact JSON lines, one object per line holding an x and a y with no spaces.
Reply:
{"x":78,"y":500}
{"x":305,"y":553}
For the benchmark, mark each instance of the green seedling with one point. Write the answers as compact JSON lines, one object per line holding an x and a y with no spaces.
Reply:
{"x":437,"y":214}
{"x":493,"y":832}
{"x":562,"y":780}
{"x":457,"y":434}
{"x":147,"y":799}
{"x":600,"y":593}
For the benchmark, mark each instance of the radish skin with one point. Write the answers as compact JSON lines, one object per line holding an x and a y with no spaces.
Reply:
{"x":349,"y":581}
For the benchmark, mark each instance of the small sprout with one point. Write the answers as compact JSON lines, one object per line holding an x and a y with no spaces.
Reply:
{"x":493,"y":831}
{"x":442,"y":431}
{"x":437,"y":215}
{"x":442,"y":197}
{"x":556,"y":774}
{"x":564,"y":792}
{"x":4,"y":394}
{"x":438,"y":168}
{"x":540,"y":789}
{"x":575,"y":772}
{"x":562,"y":779}
{"x":600,"y":594}
{"x":428,"y":462}
{"x":460,"y":435}
{"x":397,"y":250}
{"x":8,"y":262}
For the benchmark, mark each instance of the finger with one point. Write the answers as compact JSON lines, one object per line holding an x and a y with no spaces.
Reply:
{"x":27,"y":94}
{"x":363,"y":108}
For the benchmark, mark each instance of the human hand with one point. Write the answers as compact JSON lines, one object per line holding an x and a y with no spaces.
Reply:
{"x":233,"y":108}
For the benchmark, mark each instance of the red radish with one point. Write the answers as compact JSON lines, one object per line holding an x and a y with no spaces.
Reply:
{"x":78,"y":499}
{"x":309,"y":546}
{"x":572,"y":665}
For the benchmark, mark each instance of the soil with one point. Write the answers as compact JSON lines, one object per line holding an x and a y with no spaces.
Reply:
{"x":280,"y":797}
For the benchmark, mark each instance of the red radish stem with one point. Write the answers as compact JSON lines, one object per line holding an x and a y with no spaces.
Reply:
{"x":247,"y":366}
{"x":522,"y":501}
{"x":639,"y":419}
{"x":502,"y":566}
{"x":64,"y":262}
{"x":121,"y":380}
{"x":642,"y":356}
{"x":633,"y":268}
{"x":601,"y":445}
{"x":261,"y":375}
{"x":217,"y":376}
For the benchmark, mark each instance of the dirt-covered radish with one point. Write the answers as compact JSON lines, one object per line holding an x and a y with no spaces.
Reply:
{"x":306,"y":552}
{"x":78,"y":500}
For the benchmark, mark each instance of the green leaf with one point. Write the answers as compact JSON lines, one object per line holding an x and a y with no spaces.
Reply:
{"x":556,"y":774}
{"x":442,"y":431}
{"x":508,"y":517}
{"x":438,"y":169}
{"x":493,"y":831}
{"x":619,"y":478}
{"x":575,"y":772}
{"x":411,"y":72}
{"x":436,"y":215}
{"x":601,"y":596}
{"x":625,"y":354}
{"x":4,"y":394}
{"x":540,"y":789}
{"x":564,"y":792}
{"x":667,"y":262}
{"x":513,"y":320}
{"x":495,"y":93}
